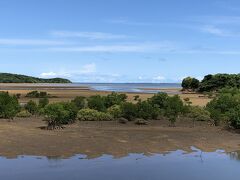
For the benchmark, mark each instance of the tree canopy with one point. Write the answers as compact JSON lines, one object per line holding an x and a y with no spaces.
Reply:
{"x":16,"y":78}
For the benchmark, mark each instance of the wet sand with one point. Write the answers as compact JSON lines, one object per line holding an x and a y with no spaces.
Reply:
{"x":25,"y":137}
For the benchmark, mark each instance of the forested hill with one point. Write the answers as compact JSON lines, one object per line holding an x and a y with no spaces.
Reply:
{"x":16,"y":78}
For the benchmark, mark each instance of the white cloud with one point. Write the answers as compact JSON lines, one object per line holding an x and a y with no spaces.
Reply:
{"x":143,"y":47}
{"x":34,"y":42}
{"x":48,"y":74}
{"x":88,"y":35}
{"x":55,"y":74}
{"x":86,"y":69}
{"x":128,"y":22}
{"x":218,"y":31}
{"x":159,"y":78}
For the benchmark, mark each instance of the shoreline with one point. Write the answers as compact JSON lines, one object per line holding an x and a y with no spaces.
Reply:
{"x":68,"y":93}
{"x":93,"y":139}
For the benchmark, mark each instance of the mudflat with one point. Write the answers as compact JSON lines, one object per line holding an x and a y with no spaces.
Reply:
{"x":26,"y":137}
{"x":63,"y":92}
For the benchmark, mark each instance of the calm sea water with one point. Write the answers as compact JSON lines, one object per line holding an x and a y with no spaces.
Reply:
{"x":130,"y":87}
{"x":177,"y":165}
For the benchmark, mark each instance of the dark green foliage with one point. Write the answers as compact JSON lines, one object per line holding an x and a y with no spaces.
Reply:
{"x":198,"y":113}
{"x":114,"y":99}
{"x":97,"y":102}
{"x":173,"y":108}
{"x":43,"y":102}
{"x":31,"y":107}
{"x":136,"y":98}
{"x":80,"y":102}
{"x":147,"y":110}
{"x":72,"y":112}
{"x":18,"y":95}
{"x":9,"y":105}
{"x":15,"y":78}
{"x":225,"y":106}
{"x":219,"y":81}
{"x":129,"y":110}
{"x":190,"y":83}
{"x":57,"y":114}
{"x":159,"y":99}
{"x":36,"y":94}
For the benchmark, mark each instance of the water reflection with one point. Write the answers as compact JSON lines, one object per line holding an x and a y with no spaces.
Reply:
{"x":170,"y":166}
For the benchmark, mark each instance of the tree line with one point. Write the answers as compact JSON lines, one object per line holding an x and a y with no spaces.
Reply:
{"x":211,"y":83}
{"x":16,"y":78}
{"x":224,"y":108}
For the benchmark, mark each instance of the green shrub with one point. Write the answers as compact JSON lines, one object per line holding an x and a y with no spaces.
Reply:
{"x":147,"y":110}
{"x":174,"y":107}
{"x":129,"y":110}
{"x":234,"y":117}
{"x":24,"y":114}
{"x":93,"y":115}
{"x":9,"y":105}
{"x":198,"y":113}
{"x":36,"y":94}
{"x":160,"y":99}
{"x":31,"y":107}
{"x":190,"y":83}
{"x":115,"y":111}
{"x":57,"y":114}
{"x":80,"y":102}
{"x":114,"y":99}
{"x":97,"y":102}
{"x":43,"y":102}
{"x":72,"y":112}
{"x":33,"y":94}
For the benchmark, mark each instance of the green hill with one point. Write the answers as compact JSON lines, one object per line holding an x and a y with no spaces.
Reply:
{"x":16,"y":78}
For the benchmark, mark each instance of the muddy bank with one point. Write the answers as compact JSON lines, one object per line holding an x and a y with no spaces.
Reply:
{"x":25,"y":137}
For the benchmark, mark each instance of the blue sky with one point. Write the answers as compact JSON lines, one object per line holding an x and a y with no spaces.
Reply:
{"x":120,"y":40}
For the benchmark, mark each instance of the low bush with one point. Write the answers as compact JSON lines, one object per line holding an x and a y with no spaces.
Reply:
{"x":57,"y":114}
{"x":80,"y":102}
{"x":31,"y":107}
{"x":129,"y":110}
{"x":224,"y":107}
{"x":173,"y":108}
{"x":9,"y":105}
{"x":114,"y":99}
{"x":198,"y":113}
{"x":36,"y":94}
{"x":24,"y":114}
{"x":115,"y":111}
{"x":43,"y":102}
{"x":97,"y":102}
{"x":147,"y":110}
{"x":93,"y":115}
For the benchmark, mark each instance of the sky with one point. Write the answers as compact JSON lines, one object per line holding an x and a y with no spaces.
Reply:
{"x":152,"y":41}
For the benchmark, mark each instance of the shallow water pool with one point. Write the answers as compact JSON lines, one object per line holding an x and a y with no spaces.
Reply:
{"x":177,"y":165}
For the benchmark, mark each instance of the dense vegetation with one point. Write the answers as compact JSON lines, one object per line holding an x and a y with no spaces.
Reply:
{"x":224,"y":108}
{"x":212,"y":82}
{"x":16,"y":78}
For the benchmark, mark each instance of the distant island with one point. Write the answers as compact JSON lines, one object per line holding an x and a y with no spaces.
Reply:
{"x":17,"y":78}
